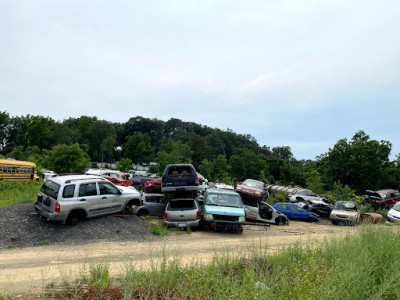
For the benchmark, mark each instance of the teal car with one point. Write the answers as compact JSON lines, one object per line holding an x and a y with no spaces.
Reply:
{"x":223,"y":210}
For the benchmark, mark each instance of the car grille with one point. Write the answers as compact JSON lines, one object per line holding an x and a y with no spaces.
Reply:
{"x":342,"y":216}
{"x":225,"y":218}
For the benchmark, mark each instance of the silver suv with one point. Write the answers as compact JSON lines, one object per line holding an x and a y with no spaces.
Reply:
{"x":70,"y":198}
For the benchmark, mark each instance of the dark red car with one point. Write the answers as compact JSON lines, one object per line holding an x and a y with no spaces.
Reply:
{"x":152,"y":186}
{"x":117,"y":178}
{"x":382,"y":198}
{"x":253,"y":189}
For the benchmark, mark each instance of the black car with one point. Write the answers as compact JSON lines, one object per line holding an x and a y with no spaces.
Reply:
{"x":179,"y":178}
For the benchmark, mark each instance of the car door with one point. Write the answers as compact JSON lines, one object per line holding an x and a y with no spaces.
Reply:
{"x":285,"y":209}
{"x":154,"y":205}
{"x":265,"y":211}
{"x":251,"y":209}
{"x":110,"y":200}
{"x":298,"y":213}
{"x":89,"y":198}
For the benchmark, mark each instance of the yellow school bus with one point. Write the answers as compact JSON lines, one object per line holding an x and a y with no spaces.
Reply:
{"x":17,"y":170}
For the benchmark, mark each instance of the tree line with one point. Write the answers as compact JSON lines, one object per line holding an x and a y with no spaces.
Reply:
{"x":220,"y":155}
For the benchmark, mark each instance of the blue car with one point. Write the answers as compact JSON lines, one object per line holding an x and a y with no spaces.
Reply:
{"x":295,"y":212}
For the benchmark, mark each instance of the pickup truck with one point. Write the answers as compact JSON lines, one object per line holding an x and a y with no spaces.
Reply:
{"x":222,"y":210}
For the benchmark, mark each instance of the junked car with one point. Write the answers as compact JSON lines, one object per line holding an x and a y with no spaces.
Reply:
{"x":251,"y":188}
{"x":394,"y":213}
{"x":118,"y":178}
{"x":345,"y":213}
{"x":180,"y":178}
{"x":382,"y":198}
{"x":295,"y":212}
{"x":259,"y":211}
{"x":151,"y":204}
{"x":71,"y":198}
{"x":182,"y":213}
{"x":222,"y":210}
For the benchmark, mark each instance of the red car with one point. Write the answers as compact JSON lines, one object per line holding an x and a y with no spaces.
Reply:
{"x":382,"y":198}
{"x":251,"y":188}
{"x":117,"y":178}
{"x":153,"y":186}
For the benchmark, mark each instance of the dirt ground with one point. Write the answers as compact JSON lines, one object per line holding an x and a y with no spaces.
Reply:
{"x":28,"y":270}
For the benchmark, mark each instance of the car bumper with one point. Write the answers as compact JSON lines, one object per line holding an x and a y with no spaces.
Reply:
{"x":179,"y":188}
{"x":393,"y":218}
{"x":182,"y":224}
{"x":344,"y":221}
{"x":50,"y":215}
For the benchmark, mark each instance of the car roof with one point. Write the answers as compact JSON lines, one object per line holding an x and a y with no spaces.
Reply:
{"x":61,"y":179}
{"x":221,"y":191}
{"x":387,"y":191}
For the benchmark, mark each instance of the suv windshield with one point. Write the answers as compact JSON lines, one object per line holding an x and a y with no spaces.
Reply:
{"x":50,"y":188}
{"x":224,"y":200}
{"x":345,"y":206}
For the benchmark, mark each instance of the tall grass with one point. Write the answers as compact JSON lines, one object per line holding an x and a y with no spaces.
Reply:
{"x":18,"y":192}
{"x":365,"y":266}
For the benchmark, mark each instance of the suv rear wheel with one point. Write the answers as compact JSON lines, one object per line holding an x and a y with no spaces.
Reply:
{"x":74,"y":218}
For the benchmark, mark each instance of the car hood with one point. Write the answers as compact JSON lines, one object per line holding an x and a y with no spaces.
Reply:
{"x":128,"y":190}
{"x":344,"y":212}
{"x":224,"y":210}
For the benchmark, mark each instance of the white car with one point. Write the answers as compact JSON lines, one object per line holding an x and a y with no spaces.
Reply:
{"x":394,"y":213}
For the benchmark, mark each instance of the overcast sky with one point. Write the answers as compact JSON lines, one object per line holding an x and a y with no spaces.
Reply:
{"x":292,"y":73}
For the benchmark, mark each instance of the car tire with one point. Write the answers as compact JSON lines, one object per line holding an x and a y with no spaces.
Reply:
{"x":73,"y":220}
{"x":142,"y":213}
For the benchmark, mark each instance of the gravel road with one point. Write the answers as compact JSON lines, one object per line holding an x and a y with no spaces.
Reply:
{"x":21,"y":226}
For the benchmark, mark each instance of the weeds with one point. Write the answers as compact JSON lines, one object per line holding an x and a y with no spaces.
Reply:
{"x":355,"y":267}
{"x":18,"y":192}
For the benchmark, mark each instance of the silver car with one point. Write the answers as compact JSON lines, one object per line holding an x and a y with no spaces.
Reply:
{"x":151,"y":205}
{"x":258,"y":211}
{"x":345,"y":213}
{"x":182,"y":213}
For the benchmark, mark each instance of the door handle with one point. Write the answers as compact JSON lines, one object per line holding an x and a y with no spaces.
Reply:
{"x":83,"y":199}
{"x":104,"y":197}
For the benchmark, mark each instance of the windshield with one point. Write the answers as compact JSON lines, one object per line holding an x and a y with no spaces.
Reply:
{"x":345,"y":206}
{"x":224,"y":200}
{"x":50,"y":188}
{"x":253,"y":183}
{"x":397,"y":206}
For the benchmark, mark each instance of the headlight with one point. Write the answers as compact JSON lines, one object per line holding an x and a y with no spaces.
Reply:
{"x":257,"y":193}
{"x":241,"y":219}
{"x":208,"y":216}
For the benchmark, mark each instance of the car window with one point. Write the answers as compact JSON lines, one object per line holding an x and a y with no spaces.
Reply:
{"x":296,"y":208}
{"x":181,"y":204}
{"x":107,"y":189}
{"x":396,"y":194}
{"x":250,"y":202}
{"x":284,"y":206}
{"x":69,"y":191}
{"x":88,"y":189}
{"x":154,"y":199}
{"x":50,"y":188}
{"x":179,"y":171}
{"x":125,"y":177}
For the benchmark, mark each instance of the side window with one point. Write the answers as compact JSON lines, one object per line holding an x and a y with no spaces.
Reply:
{"x":107,"y":189}
{"x":88,"y":189}
{"x":296,"y":208}
{"x":396,"y":194}
{"x":284,"y":206}
{"x":69,"y":191}
{"x":153,"y":199}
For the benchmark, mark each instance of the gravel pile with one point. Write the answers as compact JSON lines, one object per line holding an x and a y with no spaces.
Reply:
{"x":21,"y":226}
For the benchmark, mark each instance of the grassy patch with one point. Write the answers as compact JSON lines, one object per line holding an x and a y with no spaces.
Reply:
{"x":18,"y":192}
{"x":355,"y":267}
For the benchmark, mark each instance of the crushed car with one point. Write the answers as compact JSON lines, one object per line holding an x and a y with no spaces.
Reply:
{"x":295,"y":212}
{"x":382,"y":198}
{"x":322,"y":210}
{"x":251,"y":189}
{"x":262,"y":212}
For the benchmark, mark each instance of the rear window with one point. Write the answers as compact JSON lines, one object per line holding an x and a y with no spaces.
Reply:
{"x":174,"y":171}
{"x":50,"y":188}
{"x":182,"y":204}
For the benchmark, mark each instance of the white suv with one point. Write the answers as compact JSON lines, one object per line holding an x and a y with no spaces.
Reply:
{"x":70,"y":198}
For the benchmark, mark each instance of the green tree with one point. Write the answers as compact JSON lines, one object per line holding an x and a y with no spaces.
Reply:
{"x":107,"y":148}
{"x":314,"y":182}
{"x":206,"y":169}
{"x":237,"y":168}
{"x":138,"y":148}
{"x":39,"y":131}
{"x":220,"y":168}
{"x":172,"y":152}
{"x":18,"y":153}
{"x":67,"y":159}
{"x":124,"y":165}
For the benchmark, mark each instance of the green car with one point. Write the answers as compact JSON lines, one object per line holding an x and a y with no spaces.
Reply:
{"x":222,"y":210}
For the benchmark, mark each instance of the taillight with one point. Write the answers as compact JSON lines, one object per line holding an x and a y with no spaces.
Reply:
{"x":198,"y":215}
{"x":58,"y":207}
{"x":196,"y":179}
{"x":165,"y":217}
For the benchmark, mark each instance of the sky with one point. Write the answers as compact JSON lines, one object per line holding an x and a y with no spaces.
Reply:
{"x":292,"y":73}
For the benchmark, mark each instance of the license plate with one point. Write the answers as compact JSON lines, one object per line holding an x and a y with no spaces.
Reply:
{"x":181,"y":224}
